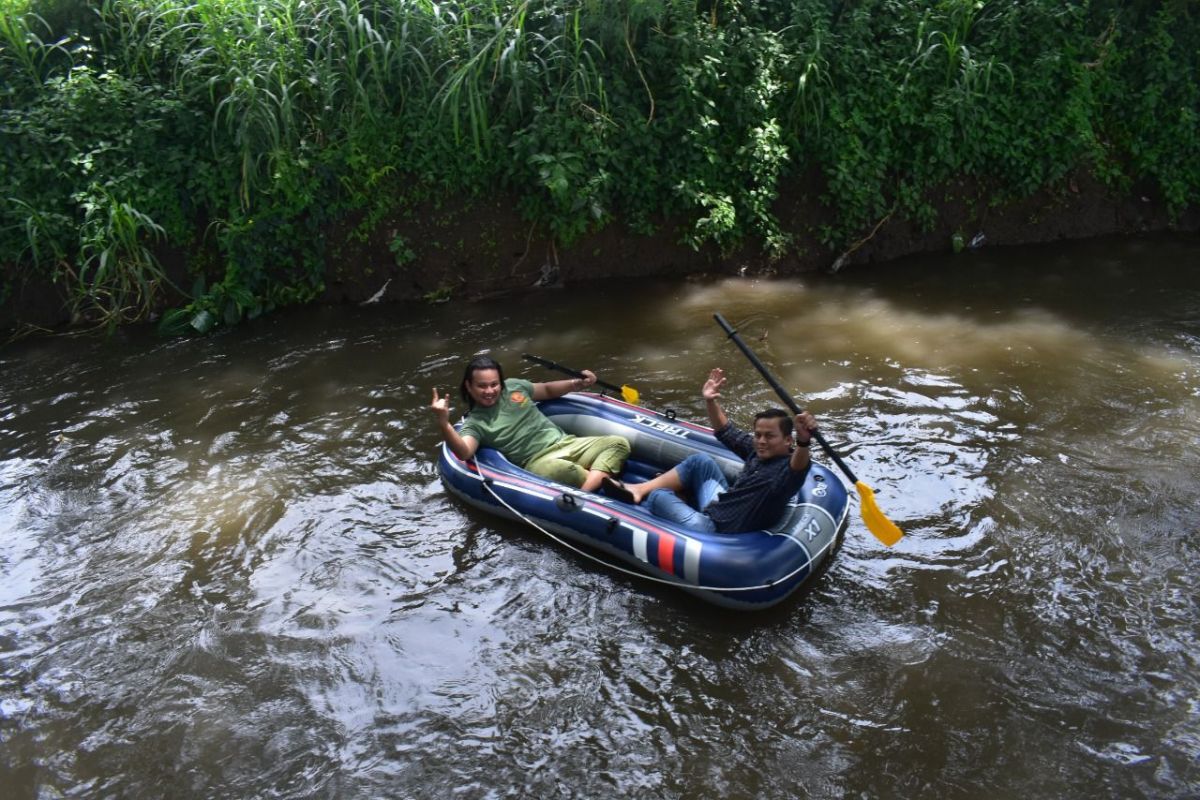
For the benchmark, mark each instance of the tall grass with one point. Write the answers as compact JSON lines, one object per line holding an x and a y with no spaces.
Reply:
{"x":282,"y":72}
{"x":242,"y":129}
{"x":26,"y":43}
{"x":120,"y":275}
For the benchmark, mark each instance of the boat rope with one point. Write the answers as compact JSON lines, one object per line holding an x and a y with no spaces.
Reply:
{"x":487,"y":484}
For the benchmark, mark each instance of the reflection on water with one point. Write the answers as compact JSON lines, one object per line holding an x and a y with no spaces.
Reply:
{"x":229,"y":568}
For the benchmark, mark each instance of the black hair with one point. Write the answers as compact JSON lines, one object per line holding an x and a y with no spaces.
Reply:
{"x":474,"y":365}
{"x":785,"y":421}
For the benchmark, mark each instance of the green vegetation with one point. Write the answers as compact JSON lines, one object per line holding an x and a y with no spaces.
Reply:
{"x":243,"y":132}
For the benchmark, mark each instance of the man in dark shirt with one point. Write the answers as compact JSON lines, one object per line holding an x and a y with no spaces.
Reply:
{"x":773,"y":472}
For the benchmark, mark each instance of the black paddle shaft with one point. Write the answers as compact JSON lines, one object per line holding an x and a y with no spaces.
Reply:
{"x":782,"y":392}
{"x":574,"y":373}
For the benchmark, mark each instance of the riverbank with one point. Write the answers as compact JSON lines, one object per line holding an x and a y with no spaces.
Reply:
{"x":475,"y":249}
{"x":480,"y":249}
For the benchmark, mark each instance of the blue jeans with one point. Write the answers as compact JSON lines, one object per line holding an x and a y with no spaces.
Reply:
{"x":704,"y":480}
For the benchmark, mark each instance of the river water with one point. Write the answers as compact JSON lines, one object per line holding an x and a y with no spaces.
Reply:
{"x":229,"y":568}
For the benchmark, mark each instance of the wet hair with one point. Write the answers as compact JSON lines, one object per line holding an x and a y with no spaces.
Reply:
{"x":785,"y":422}
{"x":474,"y":365}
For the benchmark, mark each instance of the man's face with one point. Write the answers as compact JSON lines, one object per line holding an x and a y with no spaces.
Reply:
{"x":769,"y":438}
{"x":484,"y":387}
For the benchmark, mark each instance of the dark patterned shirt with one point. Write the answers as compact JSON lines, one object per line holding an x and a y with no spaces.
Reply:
{"x":758,"y":498}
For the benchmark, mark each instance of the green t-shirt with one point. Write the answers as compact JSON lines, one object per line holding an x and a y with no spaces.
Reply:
{"x":514,"y":425}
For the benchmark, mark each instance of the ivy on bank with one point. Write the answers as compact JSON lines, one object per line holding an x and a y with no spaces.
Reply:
{"x":242,"y":131}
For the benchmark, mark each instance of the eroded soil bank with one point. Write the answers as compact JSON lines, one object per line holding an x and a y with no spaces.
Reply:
{"x":470,"y":248}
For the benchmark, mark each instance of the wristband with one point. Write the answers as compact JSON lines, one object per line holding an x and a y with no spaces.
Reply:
{"x":803,"y":444}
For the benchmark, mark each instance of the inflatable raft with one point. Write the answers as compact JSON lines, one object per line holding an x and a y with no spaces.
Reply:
{"x":750,"y":570}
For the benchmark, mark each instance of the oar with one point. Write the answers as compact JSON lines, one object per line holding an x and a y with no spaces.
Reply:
{"x":884,"y":529}
{"x":628,"y":393}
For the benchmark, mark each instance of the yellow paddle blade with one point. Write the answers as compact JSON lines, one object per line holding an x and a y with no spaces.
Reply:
{"x":629,"y":394}
{"x":884,"y":529}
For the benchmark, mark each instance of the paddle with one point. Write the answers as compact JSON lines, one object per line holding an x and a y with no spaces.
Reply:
{"x":884,"y":529}
{"x":628,"y":393}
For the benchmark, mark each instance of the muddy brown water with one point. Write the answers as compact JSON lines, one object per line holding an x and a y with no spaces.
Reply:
{"x":229,"y":568}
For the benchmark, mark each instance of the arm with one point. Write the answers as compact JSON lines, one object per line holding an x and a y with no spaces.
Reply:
{"x":553,"y":389}
{"x":735,"y":439}
{"x":801,"y":455}
{"x":711,"y":392}
{"x":463,"y":446}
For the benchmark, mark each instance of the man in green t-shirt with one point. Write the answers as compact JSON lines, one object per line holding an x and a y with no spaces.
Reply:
{"x":502,"y":414}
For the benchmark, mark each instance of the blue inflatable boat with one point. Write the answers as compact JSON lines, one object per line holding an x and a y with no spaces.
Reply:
{"x":750,"y":570}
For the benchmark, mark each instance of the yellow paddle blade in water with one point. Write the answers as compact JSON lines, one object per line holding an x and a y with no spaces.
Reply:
{"x":884,"y":529}
{"x":629,"y":394}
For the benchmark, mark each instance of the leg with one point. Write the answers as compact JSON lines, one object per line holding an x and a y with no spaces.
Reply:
{"x":558,"y":469}
{"x":581,"y":462}
{"x":670,"y":506}
{"x":697,"y":474}
{"x":591,"y":481}
{"x":605,"y":454}
{"x":602,"y":456}
{"x":668,"y":480}
{"x":598,"y":456}
{"x":703,"y":478}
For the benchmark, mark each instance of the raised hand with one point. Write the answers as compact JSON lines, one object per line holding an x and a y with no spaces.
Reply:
{"x":712,"y":387}
{"x":441,"y":406}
